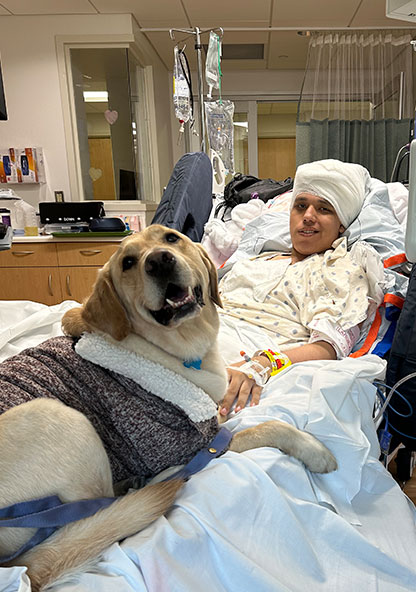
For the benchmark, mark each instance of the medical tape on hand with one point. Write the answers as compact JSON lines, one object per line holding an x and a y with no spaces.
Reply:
{"x":255,"y":371}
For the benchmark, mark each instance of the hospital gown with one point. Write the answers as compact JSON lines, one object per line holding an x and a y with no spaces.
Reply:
{"x":324,"y":296}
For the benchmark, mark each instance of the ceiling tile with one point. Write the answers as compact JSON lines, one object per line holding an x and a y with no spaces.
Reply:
{"x":372,"y":13}
{"x":319,"y":13}
{"x":31,"y":7}
{"x":236,"y":13}
{"x":152,"y":14}
{"x":290,"y":44}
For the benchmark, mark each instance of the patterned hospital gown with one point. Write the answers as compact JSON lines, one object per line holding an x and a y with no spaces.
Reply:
{"x":290,"y":301}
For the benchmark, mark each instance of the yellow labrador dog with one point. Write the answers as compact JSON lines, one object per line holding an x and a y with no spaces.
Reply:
{"x":153,"y":307}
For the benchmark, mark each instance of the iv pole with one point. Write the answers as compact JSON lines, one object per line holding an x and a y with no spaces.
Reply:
{"x":198,"y":47}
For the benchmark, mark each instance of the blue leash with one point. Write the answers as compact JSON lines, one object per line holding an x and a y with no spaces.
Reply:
{"x":47,"y":514}
{"x":204,"y":456}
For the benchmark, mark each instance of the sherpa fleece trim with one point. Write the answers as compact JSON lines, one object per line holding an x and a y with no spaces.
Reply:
{"x":150,"y":375}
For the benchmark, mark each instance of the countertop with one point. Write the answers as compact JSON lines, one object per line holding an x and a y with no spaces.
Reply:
{"x":47,"y":238}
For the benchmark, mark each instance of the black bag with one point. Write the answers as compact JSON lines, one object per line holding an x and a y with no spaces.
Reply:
{"x":242,"y":188}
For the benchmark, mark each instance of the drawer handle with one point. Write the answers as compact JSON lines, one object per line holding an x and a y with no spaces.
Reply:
{"x":50,"y":284}
{"x":68,"y":285}
{"x":90,"y":252}
{"x":22,"y":253}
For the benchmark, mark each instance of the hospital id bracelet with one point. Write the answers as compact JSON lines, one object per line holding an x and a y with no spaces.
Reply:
{"x":278,"y":360}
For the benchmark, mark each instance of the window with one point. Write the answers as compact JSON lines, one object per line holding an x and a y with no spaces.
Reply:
{"x":105,"y":123}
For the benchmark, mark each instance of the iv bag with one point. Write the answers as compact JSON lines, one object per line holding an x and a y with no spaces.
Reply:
{"x":181,"y":88}
{"x":220,"y":130}
{"x":212,"y":64}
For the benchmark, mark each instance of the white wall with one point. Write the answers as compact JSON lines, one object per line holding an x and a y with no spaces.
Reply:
{"x":279,"y":125}
{"x":31,"y":81}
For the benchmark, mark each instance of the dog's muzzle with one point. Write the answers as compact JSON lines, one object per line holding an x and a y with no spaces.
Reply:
{"x":179,"y":300}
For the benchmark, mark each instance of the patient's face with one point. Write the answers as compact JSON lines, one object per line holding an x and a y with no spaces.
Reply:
{"x":314,"y":225}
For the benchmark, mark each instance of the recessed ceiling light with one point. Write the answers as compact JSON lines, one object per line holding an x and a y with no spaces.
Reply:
{"x":91,"y":96}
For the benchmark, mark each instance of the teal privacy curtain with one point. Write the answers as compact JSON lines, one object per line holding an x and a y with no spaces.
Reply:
{"x":356,"y":102}
{"x":373,"y":144}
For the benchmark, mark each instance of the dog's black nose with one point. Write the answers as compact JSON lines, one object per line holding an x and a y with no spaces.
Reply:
{"x":159,"y":263}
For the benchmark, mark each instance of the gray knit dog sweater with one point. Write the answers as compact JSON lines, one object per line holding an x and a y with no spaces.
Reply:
{"x":142,"y":433}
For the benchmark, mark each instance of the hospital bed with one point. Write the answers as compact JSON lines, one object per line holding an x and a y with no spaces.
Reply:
{"x":259,"y":521}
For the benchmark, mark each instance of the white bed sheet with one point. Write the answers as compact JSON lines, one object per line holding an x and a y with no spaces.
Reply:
{"x":259,"y":521}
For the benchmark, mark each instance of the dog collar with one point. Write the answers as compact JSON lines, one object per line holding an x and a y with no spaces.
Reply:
{"x":193,"y":364}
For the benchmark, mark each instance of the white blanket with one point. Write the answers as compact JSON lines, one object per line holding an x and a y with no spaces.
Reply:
{"x":259,"y":521}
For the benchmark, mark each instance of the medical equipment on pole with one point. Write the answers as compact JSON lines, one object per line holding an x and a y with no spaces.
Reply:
{"x":182,"y":95}
{"x":220,"y":131}
{"x":213,"y":64}
{"x":218,"y":173}
{"x":181,"y":69}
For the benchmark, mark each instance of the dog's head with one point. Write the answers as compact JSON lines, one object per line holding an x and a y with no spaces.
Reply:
{"x":157,"y":279}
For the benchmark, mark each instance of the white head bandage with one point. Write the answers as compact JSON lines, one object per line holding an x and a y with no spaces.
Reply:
{"x":344,"y":185}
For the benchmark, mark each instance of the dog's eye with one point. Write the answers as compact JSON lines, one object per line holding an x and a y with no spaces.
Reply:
{"x":128,"y":262}
{"x":172,"y":238}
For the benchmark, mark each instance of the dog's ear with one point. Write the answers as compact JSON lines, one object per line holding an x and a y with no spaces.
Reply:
{"x":73,"y":324}
{"x":213,"y":277}
{"x":103,"y":309}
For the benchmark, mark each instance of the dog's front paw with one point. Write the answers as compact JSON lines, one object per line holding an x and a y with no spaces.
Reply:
{"x":72,"y":322}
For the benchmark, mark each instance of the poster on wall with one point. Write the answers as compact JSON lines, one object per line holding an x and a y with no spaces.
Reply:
{"x":3,"y":111}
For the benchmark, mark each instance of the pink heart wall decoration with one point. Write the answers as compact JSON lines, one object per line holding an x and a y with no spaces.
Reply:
{"x":111,"y":116}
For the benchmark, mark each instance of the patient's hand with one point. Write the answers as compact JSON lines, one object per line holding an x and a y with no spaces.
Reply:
{"x":241,"y":387}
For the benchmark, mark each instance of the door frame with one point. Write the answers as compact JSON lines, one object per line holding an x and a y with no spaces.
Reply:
{"x":64,"y":44}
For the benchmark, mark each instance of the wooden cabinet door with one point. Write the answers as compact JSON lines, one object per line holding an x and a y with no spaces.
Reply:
{"x":29,"y":255}
{"x":277,"y":158}
{"x":92,"y":253}
{"x":77,"y":282}
{"x":39,"y":284}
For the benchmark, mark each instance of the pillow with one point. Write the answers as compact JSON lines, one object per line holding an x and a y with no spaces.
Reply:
{"x":376,"y":224}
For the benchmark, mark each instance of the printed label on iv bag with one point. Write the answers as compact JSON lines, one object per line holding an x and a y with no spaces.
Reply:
{"x":180,"y":87}
{"x":181,"y":99}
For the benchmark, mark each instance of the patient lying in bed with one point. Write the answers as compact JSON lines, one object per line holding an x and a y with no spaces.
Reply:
{"x":308,"y":304}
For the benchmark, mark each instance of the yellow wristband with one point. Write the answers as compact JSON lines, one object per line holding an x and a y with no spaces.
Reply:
{"x":278,"y":360}
{"x":264,"y":352}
